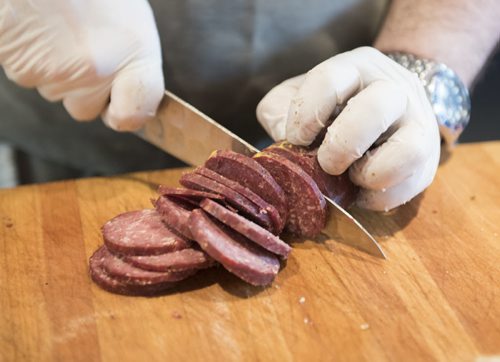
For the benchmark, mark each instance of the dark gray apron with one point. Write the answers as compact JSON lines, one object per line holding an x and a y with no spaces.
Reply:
{"x":222,"y":56}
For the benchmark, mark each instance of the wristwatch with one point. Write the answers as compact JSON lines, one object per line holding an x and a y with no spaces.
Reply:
{"x":447,"y":94}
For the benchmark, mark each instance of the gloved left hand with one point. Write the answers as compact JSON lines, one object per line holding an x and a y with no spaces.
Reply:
{"x":387,"y":134}
{"x":97,"y":56}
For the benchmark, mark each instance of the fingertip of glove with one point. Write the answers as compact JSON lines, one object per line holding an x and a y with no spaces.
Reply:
{"x":135,"y":97}
{"x":366,"y":201}
{"x":125,"y":122}
{"x":328,"y":161}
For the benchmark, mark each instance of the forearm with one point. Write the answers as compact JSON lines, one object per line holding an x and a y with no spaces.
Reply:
{"x":460,"y":33}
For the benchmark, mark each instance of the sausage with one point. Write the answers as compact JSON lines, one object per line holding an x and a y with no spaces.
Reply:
{"x":235,"y":199}
{"x":306,"y":205}
{"x":230,"y":207}
{"x":122,"y":271}
{"x":245,"y":227}
{"x":237,"y":254}
{"x":105,"y":281}
{"x":190,"y":196}
{"x":174,"y":214}
{"x":264,"y":207}
{"x":338,"y":188}
{"x":251,"y":175}
{"x":186,"y":259}
{"x":141,"y":232}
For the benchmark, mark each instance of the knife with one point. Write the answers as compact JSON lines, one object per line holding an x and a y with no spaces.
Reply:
{"x":186,"y":133}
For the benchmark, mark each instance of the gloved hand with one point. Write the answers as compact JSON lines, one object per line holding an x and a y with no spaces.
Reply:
{"x":386,"y":135}
{"x":97,"y":56}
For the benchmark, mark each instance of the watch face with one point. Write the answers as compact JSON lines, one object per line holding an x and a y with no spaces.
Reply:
{"x":449,"y":98}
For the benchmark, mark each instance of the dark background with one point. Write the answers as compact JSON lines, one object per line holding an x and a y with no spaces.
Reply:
{"x":485,"y":117}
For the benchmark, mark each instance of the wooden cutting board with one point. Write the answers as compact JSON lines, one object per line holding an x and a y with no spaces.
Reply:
{"x":437,"y":297}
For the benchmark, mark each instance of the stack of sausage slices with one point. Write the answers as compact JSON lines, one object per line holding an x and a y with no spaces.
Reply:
{"x":230,"y":212}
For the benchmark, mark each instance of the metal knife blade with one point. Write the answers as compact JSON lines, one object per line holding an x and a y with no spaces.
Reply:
{"x":343,"y":227}
{"x":186,"y":133}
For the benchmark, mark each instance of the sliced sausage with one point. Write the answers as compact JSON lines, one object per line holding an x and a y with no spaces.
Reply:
{"x":238,"y":255}
{"x":105,"y":281}
{"x":247,"y":228}
{"x":306,"y":205}
{"x":338,"y":188}
{"x":175,"y":214}
{"x":186,"y":259}
{"x":122,"y":271}
{"x":250,"y":174}
{"x":141,"y":232}
{"x":264,"y":207}
{"x":235,"y":199}
{"x":187,"y":195}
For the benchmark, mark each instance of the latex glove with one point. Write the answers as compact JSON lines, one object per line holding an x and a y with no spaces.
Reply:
{"x":387,"y":133}
{"x":97,"y":56}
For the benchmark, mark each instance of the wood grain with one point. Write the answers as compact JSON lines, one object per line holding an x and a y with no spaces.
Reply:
{"x":437,"y":297}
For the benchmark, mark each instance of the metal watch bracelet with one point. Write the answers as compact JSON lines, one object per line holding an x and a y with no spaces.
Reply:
{"x":447,"y":94}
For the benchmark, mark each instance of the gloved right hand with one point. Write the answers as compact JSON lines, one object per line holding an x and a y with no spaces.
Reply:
{"x":97,"y":56}
{"x":387,"y":134}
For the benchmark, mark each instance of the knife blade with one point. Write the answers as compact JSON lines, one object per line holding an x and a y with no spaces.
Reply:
{"x":186,"y":133}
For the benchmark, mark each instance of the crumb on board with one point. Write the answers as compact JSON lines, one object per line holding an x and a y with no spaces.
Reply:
{"x":302,"y":300}
{"x":364,"y":326}
{"x":307,"y":321}
{"x":176,"y":315}
{"x":473,"y":197}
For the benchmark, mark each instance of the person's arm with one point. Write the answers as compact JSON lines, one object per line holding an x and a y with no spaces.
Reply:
{"x":459,"y":33}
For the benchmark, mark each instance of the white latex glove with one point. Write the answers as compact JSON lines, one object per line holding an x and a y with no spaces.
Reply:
{"x":97,"y":56}
{"x":387,"y":109}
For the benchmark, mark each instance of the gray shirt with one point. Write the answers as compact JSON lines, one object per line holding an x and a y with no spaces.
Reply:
{"x":221,"y":56}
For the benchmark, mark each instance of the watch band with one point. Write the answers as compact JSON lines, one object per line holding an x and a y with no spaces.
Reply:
{"x":447,"y":94}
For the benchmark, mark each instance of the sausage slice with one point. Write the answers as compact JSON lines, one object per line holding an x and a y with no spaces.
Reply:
{"x":338,"y":188}
{"x":122,"y":271}
{"x":190,"y":196}
{"x":186,"y":259}
{"x":175,"y":214}
{"x":141,"y":232}
{"x":113,"y":285}
{"x":250,"y":174}
{"x":264,"y":207}
{"x":237,"y":254}
{"x":247,"y":228}
{"x":306,"y":205}
{"x":235,"y":199}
